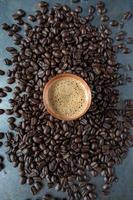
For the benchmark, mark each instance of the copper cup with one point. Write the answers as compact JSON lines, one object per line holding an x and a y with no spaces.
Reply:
{"x":55,"y":113}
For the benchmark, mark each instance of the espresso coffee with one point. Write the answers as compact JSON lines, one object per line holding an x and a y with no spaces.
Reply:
{"x":67,"y":96}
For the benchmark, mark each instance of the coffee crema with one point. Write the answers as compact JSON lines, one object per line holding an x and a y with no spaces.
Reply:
{"x":67,"y":96}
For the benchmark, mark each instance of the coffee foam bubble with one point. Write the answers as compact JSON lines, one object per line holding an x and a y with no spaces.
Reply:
{"x":67,"y":97}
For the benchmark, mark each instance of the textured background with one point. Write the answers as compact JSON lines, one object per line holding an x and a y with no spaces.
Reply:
{"x":10,"y":189}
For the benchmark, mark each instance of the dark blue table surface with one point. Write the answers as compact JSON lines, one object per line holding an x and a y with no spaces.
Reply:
{"x":10,"y":189}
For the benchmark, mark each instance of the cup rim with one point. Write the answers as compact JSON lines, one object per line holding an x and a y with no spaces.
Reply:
{"x":46,"y":99}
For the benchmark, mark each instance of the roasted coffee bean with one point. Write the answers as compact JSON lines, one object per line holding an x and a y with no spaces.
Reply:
{"x":30,"y":181}
{"x":91,"y":10}
{"x":23,"y":180}
{"x":78,"y":9}
{"x":2,"y":72}
{"x":15,"y":16}
{"x":11,"y":80}
{"x":33,"y":190}
{"x":7,"y":89}
{"x":15,"y":28}
{"x":114,"y":23}
{"x":2,"y":111}
{"x":1,"y":143}
{"x":1,"y":135}
{"x":11,"y":50}
{"x":11,"y":119}
{"x":126,"y":50}
{"x":32,"y":18}
{"x":7,"y":61}
{"x":101,"y":10}
{"x":9,"y":111}
{"x":1,"y":159}
{"x":127,"y":15}
{"x":3,"y":94}
{"x":104,"y":18}
{"x":100,"y":4}
{"x":5,"y":26}
{"x":129,"y":40}
{"x":20,"y":21}
{"x":21,"y":12}
{"x":42,"y":4}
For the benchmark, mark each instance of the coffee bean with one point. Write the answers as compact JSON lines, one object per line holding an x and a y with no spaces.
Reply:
{"x":114,"y":23}
{"x":91,"y":10}
{"x":33,"y":190}
{"x":2,"y":72}
{"x":3,"y":94}
{"x":23,"y":180}
{"x":30,"y":181}
{"x":129,"y":40}
{"x":20,"y":21}
{"x":42,"y":4}
{"x":5,"y":26}
{"x":127,"y":15}
{"x":2,"y":111}
{"x":11,"y":120}
{"x":32,"y":18}
{"x":1,"y":135}
{"x":1,"y":143}
{"x":9,"y":111}
{"x":15,"y":28}
{"x":11,"y":80}
{"x":21,"y":12}
{"x":7,"y":61}
{"x":7,"y":89}
{"x":126,"y":50}
{"x":78,"y":9}
{"x":104,"y":18}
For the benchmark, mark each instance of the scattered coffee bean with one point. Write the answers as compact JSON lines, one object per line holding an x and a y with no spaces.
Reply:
{"x":2,"y":111}
{"x":32,"y":18}
{"x":114,"y":23}
{"x":1,"y":143}
{"x":2,"y":72}
{"x":104,"y":18}
{"x":1,"y":135}
{"x":3,"y":94}
{"x":9,"y":111}
{"x":78,"y":9}
{"x":7,"y":89}
{"x":7,"y":61}
{"x":91,"y":10}
{"x":21,"y":12}
{"x":11,"y":80}
{"x":127,"y":15}
{"x":5,"y":26}
{"x":126,"y":50}
{"x":130,"y":40}
{"x":11,"y":120}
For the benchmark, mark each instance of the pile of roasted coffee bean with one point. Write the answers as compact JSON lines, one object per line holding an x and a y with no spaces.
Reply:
{"x":66,"y":153}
